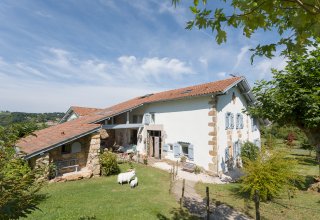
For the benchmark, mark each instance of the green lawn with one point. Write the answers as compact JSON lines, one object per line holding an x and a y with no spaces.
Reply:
{"x":304,"y":205}
{"x":104,"y":198}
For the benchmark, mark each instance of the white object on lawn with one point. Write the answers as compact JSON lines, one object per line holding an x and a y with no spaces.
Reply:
{"x":126,"y":177}
{"x":134,"y":182}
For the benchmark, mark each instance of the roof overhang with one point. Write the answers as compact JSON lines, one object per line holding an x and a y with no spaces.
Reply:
{"x":122,"y":126}
{"x":44,"y":150}
{"x":118,"y":113}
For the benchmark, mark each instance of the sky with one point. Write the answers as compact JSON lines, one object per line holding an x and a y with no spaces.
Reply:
{"x":96,"y":53}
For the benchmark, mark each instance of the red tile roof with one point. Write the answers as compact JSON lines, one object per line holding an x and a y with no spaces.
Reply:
{"x":55,"y":135}
{"x":82,"y":111}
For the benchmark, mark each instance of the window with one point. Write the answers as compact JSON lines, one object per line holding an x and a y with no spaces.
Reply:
{"x":236,"y":149}
{"x":66,"y":149}
{"x":137,"y":119}
{"x":170,"y":147}
{"x":76,"y":147}
{"x":229,"y":120}
{"x":239,"y":121}
{"x":187,"y":150}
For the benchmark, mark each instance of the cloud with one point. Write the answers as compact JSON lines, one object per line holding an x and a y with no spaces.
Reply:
{"x":240,"y":56}
{"x":222,"y":74}
{"x":263,"y":68}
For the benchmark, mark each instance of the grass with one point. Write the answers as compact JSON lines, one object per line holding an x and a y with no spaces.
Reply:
{"x":104,"y":198}
{"x":303,"y":205}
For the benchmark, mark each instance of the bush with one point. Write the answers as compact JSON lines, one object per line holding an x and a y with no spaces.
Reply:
{"x":197,"y":170}
{"x":270,"y":174}
{"x":109,"y":165}
{"x":249,"y":151}
{"x":183,"y":159}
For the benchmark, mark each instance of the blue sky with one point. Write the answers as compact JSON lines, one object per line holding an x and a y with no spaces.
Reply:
{"x":96,"y":53}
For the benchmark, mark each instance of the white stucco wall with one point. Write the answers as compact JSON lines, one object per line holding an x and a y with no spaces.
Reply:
{"x":183,"y":120}
{"x":72,"y":117}
{"x":225,"y":104}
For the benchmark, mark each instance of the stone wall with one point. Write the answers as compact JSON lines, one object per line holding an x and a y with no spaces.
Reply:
{"x":93,"y":154}
{"x":56,"y":155}
{"x":213,"y":166}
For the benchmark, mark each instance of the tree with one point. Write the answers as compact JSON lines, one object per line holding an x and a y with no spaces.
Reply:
{"x":270,"y":173}
{"x":19,"y":184}
{"x":292,"y":97}
{"x":296,"y":21}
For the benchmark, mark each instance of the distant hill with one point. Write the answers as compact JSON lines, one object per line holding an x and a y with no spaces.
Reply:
{"x":7,"y":117}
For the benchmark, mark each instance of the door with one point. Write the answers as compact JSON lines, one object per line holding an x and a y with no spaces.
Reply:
{"x":157,"y":147}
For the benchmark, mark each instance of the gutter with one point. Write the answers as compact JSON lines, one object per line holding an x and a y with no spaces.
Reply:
{"x":42,"y":151}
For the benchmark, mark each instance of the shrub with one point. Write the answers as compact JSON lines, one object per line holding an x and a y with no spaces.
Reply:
{"x":249,"y":151}
{"x":197,"y":170}
{"x":270,"y":174}
{"x":109,"y":165}
{"x":183,"y":159}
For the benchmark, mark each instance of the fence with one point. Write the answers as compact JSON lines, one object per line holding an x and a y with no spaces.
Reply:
{"x":203,"y":206}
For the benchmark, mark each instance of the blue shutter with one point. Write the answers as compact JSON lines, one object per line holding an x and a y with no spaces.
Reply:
{"x":226,"y":154}
{"x":252,"y":125}
{"x":176,"y":150}
{"x":190,"y":152}
{"x":227,"y":120}
{"x":165,"y":147}
{"x":237,"y":121}
{"x":232,"y":120}
{"x":241,"y":121}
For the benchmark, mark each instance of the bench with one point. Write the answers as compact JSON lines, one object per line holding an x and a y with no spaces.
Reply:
{"x":190,"y":167}
{"x":65,"y":164}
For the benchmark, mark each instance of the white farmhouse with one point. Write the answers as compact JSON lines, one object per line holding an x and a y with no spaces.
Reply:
{"x":205,"y":123}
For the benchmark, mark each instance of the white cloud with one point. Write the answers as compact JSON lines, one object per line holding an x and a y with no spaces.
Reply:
{"x":222,"y":74}
{"x":263,"y":68}
{"x":240,"y":56}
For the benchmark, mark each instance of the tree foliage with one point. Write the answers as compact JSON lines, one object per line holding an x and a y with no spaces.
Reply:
{"x":269,"y":174}
{"x":293,"y":96}
{"x":249,"y":151}
{"x":19,"y":184}
{"x":296,"y":21}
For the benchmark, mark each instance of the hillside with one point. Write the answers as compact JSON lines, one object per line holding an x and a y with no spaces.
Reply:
{"x":7,"y":117}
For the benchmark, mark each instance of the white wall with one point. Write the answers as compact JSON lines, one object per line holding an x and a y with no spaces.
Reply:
{"x":224,"y":105}
{"x":183,"y":120}
{"x":72,"y":117}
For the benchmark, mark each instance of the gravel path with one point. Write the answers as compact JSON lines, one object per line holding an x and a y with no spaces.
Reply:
{"x":193,"y":201}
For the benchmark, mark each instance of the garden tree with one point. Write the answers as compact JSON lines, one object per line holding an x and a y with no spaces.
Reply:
{"x":293,"y":96}
{"x":270,"y":173}
{"x":19,"y":184}
{"x":297,"y":22}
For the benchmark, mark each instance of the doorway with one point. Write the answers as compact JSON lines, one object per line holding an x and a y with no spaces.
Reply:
{"x":154,"y":144}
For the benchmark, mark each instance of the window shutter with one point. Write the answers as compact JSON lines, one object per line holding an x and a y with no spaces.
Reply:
{"x":237,"y":121}
{"x":232,"y":120}
{"x":241,"y":121}
{"x":176,"y":150}
{"x":227,"y":120}
{"x":190,"y":152}
{"x":165,"y":147}
{"x":227,"y":154}
{"x":147,"y":118}
{"x":252,"y":125}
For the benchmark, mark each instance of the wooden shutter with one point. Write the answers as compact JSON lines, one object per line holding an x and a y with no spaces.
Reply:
{"x":165,"y":147}
{"x":231,"y":120}
{"x":190,"y":152}
{"x":176,"y":150}
{"x":227,"y":120}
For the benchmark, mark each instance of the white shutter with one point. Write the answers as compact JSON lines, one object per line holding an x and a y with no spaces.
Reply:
{"x":190,"y":152}
{"x":176,"y":150}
